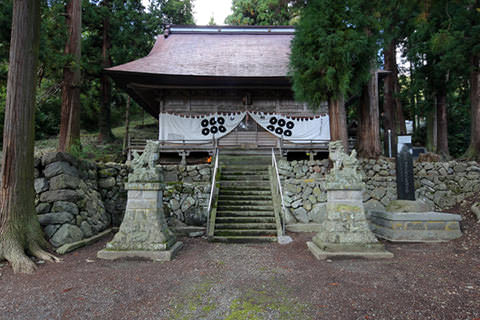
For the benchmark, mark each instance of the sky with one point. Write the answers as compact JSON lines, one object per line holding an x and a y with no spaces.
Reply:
{"x":204,"y":9}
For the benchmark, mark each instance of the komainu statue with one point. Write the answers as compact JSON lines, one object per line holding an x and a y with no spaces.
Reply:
{"x":345,"y":173}
{"x":144,"y":169}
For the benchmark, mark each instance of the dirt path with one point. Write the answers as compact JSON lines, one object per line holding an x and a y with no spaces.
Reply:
{"x":222,"y":281}
{"x":254,"y":281}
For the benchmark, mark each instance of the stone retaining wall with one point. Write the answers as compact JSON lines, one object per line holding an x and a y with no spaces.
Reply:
{"x":186,"y":193}
{"x":68,"y":202}
{"x":78,"y":199}
{"x":440,"y":184}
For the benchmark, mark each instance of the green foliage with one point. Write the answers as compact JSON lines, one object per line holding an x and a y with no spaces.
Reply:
{"x":132,"y":31}
{"x":332,"y":49}
{"x":442,"y":37}
{"x":264,"y":12}
{"x":5,"y":31}
{"x":175,"y":11}
{"x":212,"y":22}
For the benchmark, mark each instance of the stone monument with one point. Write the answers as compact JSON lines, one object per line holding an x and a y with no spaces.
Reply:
{"x":345,"y":231}
{"x":405,"y":182}
{"x":144,"y":232}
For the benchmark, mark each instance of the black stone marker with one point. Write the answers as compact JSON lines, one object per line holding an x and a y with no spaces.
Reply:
{"x":405,"y":182}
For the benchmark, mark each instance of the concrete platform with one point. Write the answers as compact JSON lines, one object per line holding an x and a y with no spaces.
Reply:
{"x":322,"y":254}
{"x":166,"y":255}
{"x":415,"y":226}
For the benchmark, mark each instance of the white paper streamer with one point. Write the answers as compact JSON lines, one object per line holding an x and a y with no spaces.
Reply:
{"x":296,"y":130}
{"x":197,"y":129}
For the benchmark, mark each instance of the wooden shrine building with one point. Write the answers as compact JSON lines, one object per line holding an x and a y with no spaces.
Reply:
{"x":222,"y":73}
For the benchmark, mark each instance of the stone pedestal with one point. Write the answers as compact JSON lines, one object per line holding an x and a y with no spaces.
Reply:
{"x":345,"y":232}
{"x":414,"y":221}
{"x":143,"y":232}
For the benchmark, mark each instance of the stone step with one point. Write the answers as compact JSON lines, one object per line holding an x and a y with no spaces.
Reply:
{"x":245,"y":232}
{"x":244,"y":178}
{"x":244,"y":170}
{"x":263,"y":192}
{"x":243,"y":197}
{"x":245,"y":188}
{"x":247,"y":219}
{"x":241,"y":213}
{"x":245,"y":225}
{"x":252,"y":167}
{"x":245,"y":161}
{"x":248,"y":184}
{"x":244,"y":239}
{"x":242,"y":203}
{"x":240,"y":208}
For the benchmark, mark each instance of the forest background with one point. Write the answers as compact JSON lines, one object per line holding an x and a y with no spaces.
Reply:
{"x":438,"y":41}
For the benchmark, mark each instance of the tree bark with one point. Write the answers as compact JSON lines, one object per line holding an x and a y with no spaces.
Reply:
{"x":70,"y":115}
{"x":442,"y":126}
{"x":368,"y":136}
{"x":399,"y":116}
{"x":105,"y":134}
{"x":473,"y":152}
{"x":338,"y":120}
{"x":431,"y":115}
{"x":389,"y":122}
{"x":127,"y":125}
{"x":19,"y":226}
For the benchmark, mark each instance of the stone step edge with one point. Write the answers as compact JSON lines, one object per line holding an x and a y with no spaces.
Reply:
{"x":244,"y":239}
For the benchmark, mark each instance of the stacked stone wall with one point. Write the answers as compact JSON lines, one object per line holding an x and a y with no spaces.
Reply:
{"x":68,"y":199}
{"x":444,"y":184}
{"x":440,"y":184}
{"x":186,"y":193}
{"x":78,"y":199}
{"x":111,"y":184}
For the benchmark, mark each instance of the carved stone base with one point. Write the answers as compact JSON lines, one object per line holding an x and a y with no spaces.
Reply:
{"x":144,"y":232}
{"x":345,"y":232}
{"x":166,"y":255}
{"x":347,"y":252}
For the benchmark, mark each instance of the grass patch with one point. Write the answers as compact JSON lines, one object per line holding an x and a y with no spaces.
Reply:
{"x":197,"y":303}
{"x":92,"y":150}
{"x":261,"y":304}
{"x":274,"y":302}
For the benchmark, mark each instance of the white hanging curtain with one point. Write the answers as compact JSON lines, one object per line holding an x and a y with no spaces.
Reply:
{"x":296,"y":130}
{"x":197,"y":129}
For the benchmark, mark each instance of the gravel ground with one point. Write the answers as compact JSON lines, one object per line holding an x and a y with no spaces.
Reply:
{"x":255,"y":281}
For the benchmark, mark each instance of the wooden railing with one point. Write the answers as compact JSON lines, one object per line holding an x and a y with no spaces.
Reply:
{"x":249,"y":139}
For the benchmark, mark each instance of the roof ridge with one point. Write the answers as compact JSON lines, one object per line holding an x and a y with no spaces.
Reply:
{"x":255,"y":30}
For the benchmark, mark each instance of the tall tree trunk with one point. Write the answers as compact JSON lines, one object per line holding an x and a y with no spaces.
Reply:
{"x":338,"y":120}
{"x":127,"y":125}
{"x":70,"y":118}
{"x":19,"y":226}
{"x":442,"y":126}
{"x":399,"y":117}
{"x":389,"y":122}
{"x":105,"y":134}
{"x":473,"y":151}
{"x":431,"y":115}
{"x":368,"y":136}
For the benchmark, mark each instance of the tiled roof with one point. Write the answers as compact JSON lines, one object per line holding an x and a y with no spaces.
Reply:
{"x":217,"y":51}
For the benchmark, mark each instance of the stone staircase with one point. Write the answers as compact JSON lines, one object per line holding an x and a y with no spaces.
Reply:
{"x":245,"y":211}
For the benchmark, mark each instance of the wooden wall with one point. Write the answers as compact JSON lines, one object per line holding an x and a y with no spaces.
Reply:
{"x":233,"y":100}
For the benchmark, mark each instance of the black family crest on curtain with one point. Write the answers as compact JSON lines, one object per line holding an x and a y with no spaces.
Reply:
{"x":197,"y":129}
{"x":200,"y":129}
{"x":296,"y":130}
